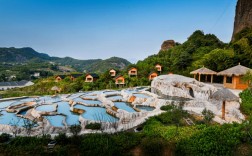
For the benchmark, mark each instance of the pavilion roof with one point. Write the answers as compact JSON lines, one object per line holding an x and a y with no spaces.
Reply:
{"x":236,"y":70}
{"x":204,"y":71}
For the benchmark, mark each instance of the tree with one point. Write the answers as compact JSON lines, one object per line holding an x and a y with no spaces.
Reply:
{"x":248,"y":78}
{"x":29,"y":125}
{"x":75,"y":129}
{"x":15,"y":129}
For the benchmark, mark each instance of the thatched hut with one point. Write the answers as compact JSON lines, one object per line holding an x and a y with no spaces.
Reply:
{"x":233,"y":77}
{"x":224,"y":95}
{"x":204,"y":71}
{"x":56,"y":89}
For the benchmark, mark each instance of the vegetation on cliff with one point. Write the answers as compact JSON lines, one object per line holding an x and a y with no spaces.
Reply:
{"x":202,"y":50}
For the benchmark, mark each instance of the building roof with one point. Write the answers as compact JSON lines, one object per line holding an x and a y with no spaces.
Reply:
{"x":61,"y":76}
{"x":118,"y":76}
{"x":236,"y":70}
{"x":204,"y":71}
{"x":76,"y":75}
{"x":133,"y":68}
{"x":93,"y":75}
{"x":152,"y":72}
{"x":14,"y":83}
{"x":224,"y":95}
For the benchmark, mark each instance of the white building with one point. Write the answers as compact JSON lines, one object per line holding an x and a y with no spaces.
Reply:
{"x":15,"y":84}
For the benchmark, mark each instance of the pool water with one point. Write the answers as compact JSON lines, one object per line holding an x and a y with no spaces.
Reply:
{"x":46,"y":108}
{"x":87,"y":101}
{"x":23,"y":112}
{"x":17,"y":103}
{"x":90,"y":97}
{"x":146,"y":108}
{"x":73,"y":96}
{"x":56,"y":120}
{"x":6,"y":104}
{"x":48,"y":103}
{"x":71,"y":118}
{"x":118,"y":97}
{"x":124,"y":106}
{"x":96,"y":113}
{"x":141,"y":95}
{"x":49,"y":99}
{"x":10,"y":119}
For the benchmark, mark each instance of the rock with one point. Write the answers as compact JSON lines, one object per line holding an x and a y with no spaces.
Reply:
{"x":168,"y":44}
{"x":194,"y":96}
{"x":132,"y":99}
{"x":178,"y":86}
{"x":243,"y":16}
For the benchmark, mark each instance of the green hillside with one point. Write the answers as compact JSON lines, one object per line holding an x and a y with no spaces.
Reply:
{"x":202,"y":50}
{"x":23,"y":62}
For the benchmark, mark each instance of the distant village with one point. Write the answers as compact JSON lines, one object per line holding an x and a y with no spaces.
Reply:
{"x":232,"y":77}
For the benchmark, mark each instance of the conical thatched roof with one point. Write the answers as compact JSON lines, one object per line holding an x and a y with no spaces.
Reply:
{"x":55,"y":88}
{"x":224,"y":95}
{"x":236,"y":70}
{"x":204,"y":71}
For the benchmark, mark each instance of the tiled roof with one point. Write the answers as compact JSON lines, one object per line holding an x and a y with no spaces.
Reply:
{"x":14,"y":83}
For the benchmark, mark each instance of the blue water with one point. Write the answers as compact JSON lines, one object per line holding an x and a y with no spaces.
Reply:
{"x":87,"y":101}
{"x":90,"y":97}
{"x":96,"y":113}
{"x":23,"y":112}
{"x":5,"y":104}
{"x":47,"y":108}
{"x":56,"y":120}
{"x":146,"y":108}
{"x":141,"y":95}
{"x":111,"y":92}
{"x":141,"y":88}
{"x":124,"y":106}
{"x":64,"y":108}
{"x":10,"y":119}
{"x":130,"y":91}
{"x":16,"y":103}
{"x":49,"y":99}
{"x":118,"y":97}
{"x":28,"y":99}
{"x":73,"y":96}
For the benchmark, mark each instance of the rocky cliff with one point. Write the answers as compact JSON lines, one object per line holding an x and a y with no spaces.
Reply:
{"x":167,"y":45}
{"x":243,"y":15}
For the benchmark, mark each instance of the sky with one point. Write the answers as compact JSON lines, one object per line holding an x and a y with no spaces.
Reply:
{"x":91,"y":29}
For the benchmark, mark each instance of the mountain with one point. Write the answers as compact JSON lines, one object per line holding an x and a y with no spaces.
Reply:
{"x":21,"y":55}
{"x":243,"y":16}
{"x":28,"y":55}
{"x":103,"y":65}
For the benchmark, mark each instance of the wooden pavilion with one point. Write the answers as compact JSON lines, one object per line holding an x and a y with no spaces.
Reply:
{"x":119,"y":80}
{"x":152,"y":75}
{"x":233,"y":77}
{"x":204,"y":71}
{"x":132,"y":71}
{"x":158,"y":67}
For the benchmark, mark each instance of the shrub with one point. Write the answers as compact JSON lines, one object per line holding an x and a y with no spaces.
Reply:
{"x":153,"y":146}
{"x":75,"y":129}
{"x":208,"y":115}
{"x":93,"y":126}
{"x":4,"y":137}
{"x":246,"y":104}
{"x":172,"y":117}
{"x":213,"y":140}
{"x":167,"y":107}
{"x":62,"y":139}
